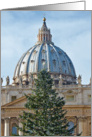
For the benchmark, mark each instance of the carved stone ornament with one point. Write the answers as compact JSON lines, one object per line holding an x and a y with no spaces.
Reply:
{"x":79,"y":79}
{"x":60,"y":80}
{"x":20,"y":81}
{"x":7,"y":80}
{"x":1,"y":81}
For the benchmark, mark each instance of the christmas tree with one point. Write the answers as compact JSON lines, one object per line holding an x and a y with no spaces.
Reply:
{"x":45,"y":115}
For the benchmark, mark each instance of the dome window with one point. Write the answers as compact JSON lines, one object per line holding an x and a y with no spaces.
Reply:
{"x":64,"y":63}
{"x":43,"y":51}
{"x":54,"y":62}
{"x":60,"y":69}
{"x":43,"y":60}
{"x":35,"y":51}
{"x":70,"y":64}
{"x":52,"y":51}
{"x":32,"y":60}
{"x":59,"y":52}
{"x":23,"y":62}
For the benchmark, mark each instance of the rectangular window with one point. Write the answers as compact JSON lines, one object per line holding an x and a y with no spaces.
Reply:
{"x":89,"y":98}
{"x":56,"y":82}
{"x":70,"y":98}
{"x":13,"y":98}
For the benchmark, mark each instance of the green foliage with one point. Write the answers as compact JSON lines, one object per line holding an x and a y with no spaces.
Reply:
{"x":45,"y":116}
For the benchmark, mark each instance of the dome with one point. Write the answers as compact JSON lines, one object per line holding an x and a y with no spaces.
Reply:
{"x":45,"y":55}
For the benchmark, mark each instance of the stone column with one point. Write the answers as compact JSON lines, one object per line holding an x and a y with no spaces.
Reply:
{"x":81,"y":125}
{"x":60,"y":81}
{"x":21,"y":126}
{"x":6,"y":127}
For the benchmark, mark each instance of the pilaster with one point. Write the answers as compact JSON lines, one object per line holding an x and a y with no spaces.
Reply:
{"x":6,"y":127}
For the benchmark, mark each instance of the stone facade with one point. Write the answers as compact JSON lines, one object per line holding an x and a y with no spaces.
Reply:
{"x":78,"y":105}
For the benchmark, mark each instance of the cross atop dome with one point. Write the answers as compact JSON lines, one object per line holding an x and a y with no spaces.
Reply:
{"x":44,"y":19}
{"x":44,"y":27}
{"x":44,"y":33}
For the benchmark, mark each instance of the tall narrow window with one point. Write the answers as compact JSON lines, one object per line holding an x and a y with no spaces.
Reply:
{"x":64,"y":63}
{"x":54,"y":62}
{"x":89,"y":98}
{"x":56,"y":82}
{"x":71,"y":125}
{"x":14,"y":129}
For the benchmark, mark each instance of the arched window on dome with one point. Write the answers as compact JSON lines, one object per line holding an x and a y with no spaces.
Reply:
{"x":14,"y":129}
{"x":65,"y":71}
{"x":54,"y":62}
{"x":71,"y":125}
{"x":60,"y":52}
{"x":64,"y":63}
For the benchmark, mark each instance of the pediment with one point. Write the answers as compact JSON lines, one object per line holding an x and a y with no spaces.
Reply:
{"x":18,"y":103}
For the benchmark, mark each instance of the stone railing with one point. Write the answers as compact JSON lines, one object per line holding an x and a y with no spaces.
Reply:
{"x":55,"y":86}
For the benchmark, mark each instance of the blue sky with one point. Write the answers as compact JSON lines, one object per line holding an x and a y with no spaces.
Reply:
{"x":71,"y":31}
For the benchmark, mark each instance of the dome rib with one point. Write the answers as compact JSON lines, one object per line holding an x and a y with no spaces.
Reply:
{"x":17,"y":66}
{"x":34,"y":61}
{"x":67,"y":62}
{"x":73,"y":73}
{"x":28,"y":61}
{"x":20,"y":64}
{"x":68,"y":65}
{"x":59,"y":63}
{"x":48,"y":57}
{"x":38,"y":60}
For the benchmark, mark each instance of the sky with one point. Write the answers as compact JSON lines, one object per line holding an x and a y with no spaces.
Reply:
{"x":71,"y":31}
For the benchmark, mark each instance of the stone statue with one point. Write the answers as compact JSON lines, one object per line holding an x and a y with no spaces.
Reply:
{"x":52,"y":76}
{"x":60,"y":81}
{"x":7,"y":80}
{"x":79,"y":80}
{"x":20,"y":81}
{"x":30,"y":80}
{"x":1,"y":81}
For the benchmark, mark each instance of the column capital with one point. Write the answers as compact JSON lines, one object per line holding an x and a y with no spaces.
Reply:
{"x":2,"y":118}
{"x":82,"y":117}
{"x":7,"y":119}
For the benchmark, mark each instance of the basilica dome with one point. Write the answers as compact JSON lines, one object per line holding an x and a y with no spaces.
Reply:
{"x":45,"y":55}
